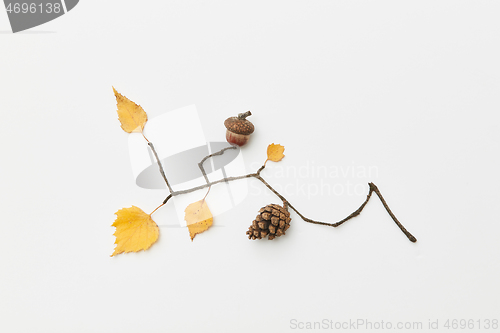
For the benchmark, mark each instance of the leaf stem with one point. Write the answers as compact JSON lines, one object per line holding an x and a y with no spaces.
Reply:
{"x":208,"y":191}
{"x":156,"y":209}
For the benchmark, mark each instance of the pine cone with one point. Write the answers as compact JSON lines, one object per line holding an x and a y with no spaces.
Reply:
{"x":272,"y":221}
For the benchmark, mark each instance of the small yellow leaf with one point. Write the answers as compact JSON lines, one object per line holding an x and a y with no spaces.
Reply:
{"x":198,"y":217}
{"x":132,"y":117}
{"x":275,"y":152}
{"x":135,"y":230}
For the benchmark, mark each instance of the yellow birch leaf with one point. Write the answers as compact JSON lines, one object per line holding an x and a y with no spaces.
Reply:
{"x":132,"y":116}
{"x":275,"y":152}
{"x":198,"y":217}
{"x":135,"y":230}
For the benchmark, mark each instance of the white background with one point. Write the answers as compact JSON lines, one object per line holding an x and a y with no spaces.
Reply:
{"x":411,"y":88}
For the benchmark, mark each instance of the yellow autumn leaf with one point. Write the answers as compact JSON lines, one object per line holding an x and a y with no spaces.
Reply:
{"x":132,"y":116}
{"x":198,"y":217}
{"x":135,"y":230}
{"x":275,"y":152}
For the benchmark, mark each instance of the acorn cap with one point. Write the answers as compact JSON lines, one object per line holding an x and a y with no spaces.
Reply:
{"x":239,"y":124}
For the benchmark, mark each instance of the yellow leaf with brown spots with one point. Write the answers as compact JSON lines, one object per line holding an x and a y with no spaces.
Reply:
{"x":198,"y":217}
{"x":135,"y":230}
{"x":132,"y":116}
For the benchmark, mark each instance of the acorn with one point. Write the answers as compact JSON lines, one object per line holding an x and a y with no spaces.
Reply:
{"x":239,"y":129}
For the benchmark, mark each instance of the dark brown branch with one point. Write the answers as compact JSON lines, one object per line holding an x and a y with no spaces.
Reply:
{"x":403,"y":229}
{"x":227,"y":179}
{"x":357,"y":211}
{"x":290,"y":205}
{"x":373,"y":188}
{"x":220,"y":152}
{"x":167,"y":198}
{"x":261,"y":168}
{"x":150,"y":144}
